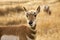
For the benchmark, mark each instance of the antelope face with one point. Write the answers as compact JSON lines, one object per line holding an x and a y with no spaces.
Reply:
{"x":31,"y":16}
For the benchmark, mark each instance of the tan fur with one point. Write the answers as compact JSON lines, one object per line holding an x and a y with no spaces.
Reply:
{"x":22,"y":31}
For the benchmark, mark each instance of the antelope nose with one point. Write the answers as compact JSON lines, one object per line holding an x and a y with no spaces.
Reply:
{"x":30,"y":23}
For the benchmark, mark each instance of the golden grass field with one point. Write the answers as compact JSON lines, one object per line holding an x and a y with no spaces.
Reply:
{"x":48,"y":26}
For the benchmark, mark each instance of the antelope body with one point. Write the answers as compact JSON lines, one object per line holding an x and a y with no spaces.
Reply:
{"x":22,"y":31}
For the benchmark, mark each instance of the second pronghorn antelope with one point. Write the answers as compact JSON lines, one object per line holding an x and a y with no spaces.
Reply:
{"x":47,"y":9}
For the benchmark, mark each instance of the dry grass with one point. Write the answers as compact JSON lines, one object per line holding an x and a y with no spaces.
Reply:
{"x":48,"y":26}
{"x":10,"y":15}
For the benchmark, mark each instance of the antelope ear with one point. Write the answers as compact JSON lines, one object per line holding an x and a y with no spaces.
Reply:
{"x":25,"y":9}
{"x":38,"y":9}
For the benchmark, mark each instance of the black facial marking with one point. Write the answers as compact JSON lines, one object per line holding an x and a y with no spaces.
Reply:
{"x":30,"y":23}
{"x":35,"y":15}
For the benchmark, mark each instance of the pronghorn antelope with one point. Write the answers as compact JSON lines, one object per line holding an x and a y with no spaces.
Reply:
{"x":31,"y":18}
{"x":47,"y":9}
{"x":22,"y":31}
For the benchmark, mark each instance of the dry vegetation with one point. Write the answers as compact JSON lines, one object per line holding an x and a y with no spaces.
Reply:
{"x":10,"y":15}
{"x":48,"y":26}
